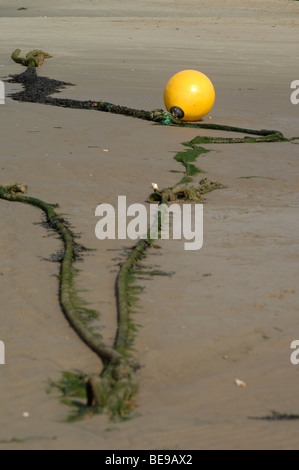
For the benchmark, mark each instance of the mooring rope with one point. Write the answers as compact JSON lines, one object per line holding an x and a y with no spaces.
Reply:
{"x":72,"y":251}
{"x":38,"y":90}
{"x":116,"y":386}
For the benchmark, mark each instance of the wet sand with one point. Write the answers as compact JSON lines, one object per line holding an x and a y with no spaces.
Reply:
{"x":231,"y":309}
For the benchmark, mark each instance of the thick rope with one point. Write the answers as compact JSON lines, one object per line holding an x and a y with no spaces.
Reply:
{"x":116,"y":386}
{"x":33,"y":58}
{"x":66,"y":279}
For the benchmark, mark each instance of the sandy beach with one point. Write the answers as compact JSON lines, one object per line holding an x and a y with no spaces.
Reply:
{"x":231,"y":309}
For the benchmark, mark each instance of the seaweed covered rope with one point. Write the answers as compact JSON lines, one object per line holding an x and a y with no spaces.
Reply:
{"x":72,"y":252}
{"x":116,"y":386}
{"x":117,"y":380}
{"x":38,"y":90}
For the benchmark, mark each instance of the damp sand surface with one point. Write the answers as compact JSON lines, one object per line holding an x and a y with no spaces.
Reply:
{"x":231,"y":309}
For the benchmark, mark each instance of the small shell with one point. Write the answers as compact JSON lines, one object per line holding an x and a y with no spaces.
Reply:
{"x":240,"y":383}
{"x":154,"y":186}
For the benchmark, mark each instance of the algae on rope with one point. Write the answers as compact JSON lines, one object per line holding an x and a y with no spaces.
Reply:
{"x":119,"y":384}
{"x":33,"y":58}
{"x":38,"y":90}
{"x":114,"y":389}
{"x":182,"y":191}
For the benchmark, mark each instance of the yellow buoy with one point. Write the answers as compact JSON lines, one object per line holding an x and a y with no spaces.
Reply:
{"x":189,"y":95}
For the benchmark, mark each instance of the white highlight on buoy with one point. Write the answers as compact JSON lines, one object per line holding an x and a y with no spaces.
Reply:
{"x":2,"y":93}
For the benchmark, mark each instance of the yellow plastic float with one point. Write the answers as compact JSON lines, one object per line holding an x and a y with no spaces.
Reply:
{"x":189,"y":95}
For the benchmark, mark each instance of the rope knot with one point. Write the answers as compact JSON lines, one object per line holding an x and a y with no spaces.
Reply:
{"x":163,"y":117}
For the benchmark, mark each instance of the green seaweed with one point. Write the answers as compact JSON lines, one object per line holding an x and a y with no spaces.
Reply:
{"x":71,"y":384}
{"x":114,"y":358}
{"x":115,"y":387}
{"x":32,"y":59}
{"x":187,"y":156}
